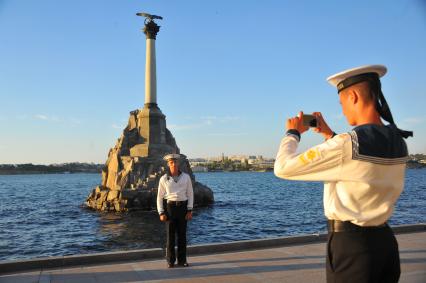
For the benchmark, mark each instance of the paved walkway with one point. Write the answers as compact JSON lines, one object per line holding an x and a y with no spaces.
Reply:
{"x":299,"y":263}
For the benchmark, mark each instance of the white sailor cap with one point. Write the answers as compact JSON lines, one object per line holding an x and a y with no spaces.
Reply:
{"x":353,"y":76}
{"x":171,"y":156}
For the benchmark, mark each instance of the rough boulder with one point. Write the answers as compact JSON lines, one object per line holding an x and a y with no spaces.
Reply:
{"x":135,"y":164}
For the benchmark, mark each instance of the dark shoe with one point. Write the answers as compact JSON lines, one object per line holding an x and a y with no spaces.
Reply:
{"x":185,"y":264}
{"x":170,"y":265}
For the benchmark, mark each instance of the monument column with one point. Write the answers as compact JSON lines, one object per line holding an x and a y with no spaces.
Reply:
{"x":135,"y":164}
{"x":151,"y":29}
{"x":150,"y":121}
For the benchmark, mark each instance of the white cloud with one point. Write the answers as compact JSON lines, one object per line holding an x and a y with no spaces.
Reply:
{"x":115,"y":126}
{"x":203,"y":122}
{"x":225,"y":119}
{"x":208,"y":117}
{"x":41,"y":117}
{"x":48,"y":118}
{"x":227,"y":134}
{"x":53,"y":118}
{"x":231,"y":118}
{"x":176,"y":127}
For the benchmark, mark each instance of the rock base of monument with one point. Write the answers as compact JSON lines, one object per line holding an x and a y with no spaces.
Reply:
{"x":135,"y":165}
{"x":104,"y":199}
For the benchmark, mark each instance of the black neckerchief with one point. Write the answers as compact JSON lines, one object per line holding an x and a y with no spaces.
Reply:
{"x":168,"y":174}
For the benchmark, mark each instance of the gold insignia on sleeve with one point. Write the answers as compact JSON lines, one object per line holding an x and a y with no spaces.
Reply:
{"x":309,"y":156}
{"x":302,"y":159}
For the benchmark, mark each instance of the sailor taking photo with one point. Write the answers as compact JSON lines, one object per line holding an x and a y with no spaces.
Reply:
{"x":363,"y":174}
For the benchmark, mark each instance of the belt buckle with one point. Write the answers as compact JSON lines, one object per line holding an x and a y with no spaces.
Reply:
{"x":341,"y":226}
{"x":346,"y":226}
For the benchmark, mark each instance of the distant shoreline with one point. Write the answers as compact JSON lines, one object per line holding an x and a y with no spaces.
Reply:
{"x":66,"y":168}
{"x":91,"y":168}
{"x":98,"y":172}
{"x":415,"y":165}
{"x":8,"y":173}
{"x":44,"y":173}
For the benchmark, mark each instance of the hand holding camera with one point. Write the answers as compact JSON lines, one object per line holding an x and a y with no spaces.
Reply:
{"x":296,"y":123}
{"x":303,"y":122}
{"x":309,"y":120}
{"x":321,"y":126}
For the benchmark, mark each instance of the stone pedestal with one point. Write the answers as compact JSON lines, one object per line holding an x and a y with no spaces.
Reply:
{"x":152,"y":129}
{"x":135,"y":165}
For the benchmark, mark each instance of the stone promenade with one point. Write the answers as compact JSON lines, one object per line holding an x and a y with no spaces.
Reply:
{"x":291,"y":263}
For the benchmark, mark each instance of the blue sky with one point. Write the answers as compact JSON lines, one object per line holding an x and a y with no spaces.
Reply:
{"x":228,"y":72}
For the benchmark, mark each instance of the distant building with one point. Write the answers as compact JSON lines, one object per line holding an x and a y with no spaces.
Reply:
{"x":197,"y":160}
{"x":214,"y":158}
{"x":236,"y":159}
{"x":265,"y":164}
{"x":240,"y":158}
{"x":199,"y":168}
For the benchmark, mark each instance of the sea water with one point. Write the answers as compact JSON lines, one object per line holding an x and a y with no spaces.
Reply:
{"x":43,"y":215}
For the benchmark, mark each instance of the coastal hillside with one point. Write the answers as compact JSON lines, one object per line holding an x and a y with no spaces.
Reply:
{"x":29,"y":168}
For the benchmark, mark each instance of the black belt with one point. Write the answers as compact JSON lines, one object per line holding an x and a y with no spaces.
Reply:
{"x":177,"y":202}
{"x":346,"y":226}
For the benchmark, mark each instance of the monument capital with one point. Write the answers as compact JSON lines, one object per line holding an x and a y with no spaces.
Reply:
{"x":151,"y":29}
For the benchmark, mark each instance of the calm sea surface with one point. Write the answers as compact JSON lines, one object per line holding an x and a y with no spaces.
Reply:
{"x":42,"y":215}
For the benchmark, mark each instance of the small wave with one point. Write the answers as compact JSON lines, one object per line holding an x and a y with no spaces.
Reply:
{"x":45,"y":216}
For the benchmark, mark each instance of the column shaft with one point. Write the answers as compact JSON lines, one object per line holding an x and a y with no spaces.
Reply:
{"x":150,"y":73}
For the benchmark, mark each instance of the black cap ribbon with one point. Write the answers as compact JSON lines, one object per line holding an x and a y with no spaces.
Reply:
{"x":381,"y":105}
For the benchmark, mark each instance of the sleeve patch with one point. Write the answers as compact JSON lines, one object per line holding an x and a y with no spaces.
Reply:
{"x":309,"y":156}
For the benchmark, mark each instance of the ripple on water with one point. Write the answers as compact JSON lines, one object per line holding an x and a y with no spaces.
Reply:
{"x":42,"y":215}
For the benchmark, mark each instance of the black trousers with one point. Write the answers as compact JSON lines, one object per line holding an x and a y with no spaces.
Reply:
{"x":363,"y":256}
{"x":176,"y":226}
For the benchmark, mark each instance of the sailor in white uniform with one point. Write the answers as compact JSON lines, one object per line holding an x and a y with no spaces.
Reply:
{"x":363,"y":173}
{"x":176,"y":188}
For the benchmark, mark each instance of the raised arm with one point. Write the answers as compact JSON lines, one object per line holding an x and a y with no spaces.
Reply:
{"x":319,"y":163}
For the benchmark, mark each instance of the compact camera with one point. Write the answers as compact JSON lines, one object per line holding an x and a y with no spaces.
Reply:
{"x":309,"y":120}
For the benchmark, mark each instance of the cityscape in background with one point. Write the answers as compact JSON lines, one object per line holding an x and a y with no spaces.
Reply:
{"x":232,"y":163}
{"x":229,"y":163}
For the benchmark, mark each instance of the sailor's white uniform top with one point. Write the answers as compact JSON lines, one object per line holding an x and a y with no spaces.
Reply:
{"x":175,"y":189}
{"x":363,"y":171}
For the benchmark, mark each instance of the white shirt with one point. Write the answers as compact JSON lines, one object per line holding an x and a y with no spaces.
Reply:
{"x":180,"y":190}
{"x":357,"y":188}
